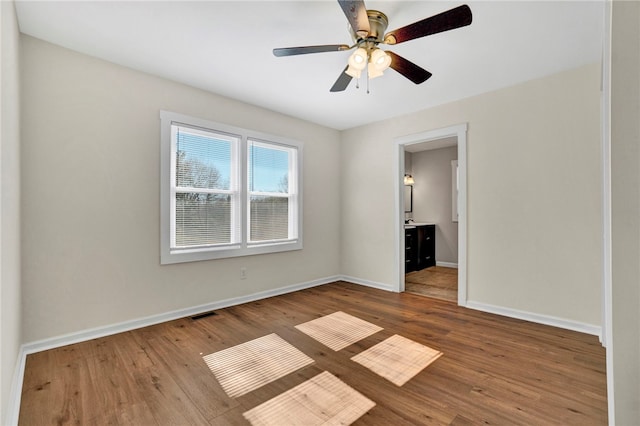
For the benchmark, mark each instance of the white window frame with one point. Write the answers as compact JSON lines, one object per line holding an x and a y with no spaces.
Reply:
{"x":240,"y":246}
{"x":291,"y":195}
{"x":233,"y":190}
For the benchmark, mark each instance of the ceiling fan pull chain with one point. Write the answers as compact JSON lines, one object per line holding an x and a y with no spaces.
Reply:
{"x":367,"y":82}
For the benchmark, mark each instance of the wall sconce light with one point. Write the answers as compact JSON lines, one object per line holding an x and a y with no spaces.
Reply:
{"x":408,"y":180}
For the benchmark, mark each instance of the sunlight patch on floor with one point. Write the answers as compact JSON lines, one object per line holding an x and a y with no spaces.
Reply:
{"x":397,"y":359}
{"x":338,"y":330}
{"x":248,"y":366}
{"x":321,"y":400}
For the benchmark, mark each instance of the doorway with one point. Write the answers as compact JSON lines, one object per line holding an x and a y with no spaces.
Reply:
{"x":433,"y":139}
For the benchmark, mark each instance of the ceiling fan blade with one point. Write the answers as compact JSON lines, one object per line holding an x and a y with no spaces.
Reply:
{"x":445,"y":21}
{"x":342,"y":82}
{"x":408,"y":69}
{"x":302,"y":50}
{"x":356,"y":13}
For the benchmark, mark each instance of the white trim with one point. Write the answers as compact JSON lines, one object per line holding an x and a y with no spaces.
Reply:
{"x":607,"y":292}
{"x":536,"y":318}
{"x":447,"y":264}
{"x":399,"y":192}
{"x":367,"y":283}
{"x":15,"y":393}
{"x":459,"y":131}
{"x":398,"y":242}
{"x":432,"y":135}
{"x":499,"y":310}
{"x":462,"y":216}
{"x":94,"y":333}
{"x":454,"y":190}
{"x":97,"y":332}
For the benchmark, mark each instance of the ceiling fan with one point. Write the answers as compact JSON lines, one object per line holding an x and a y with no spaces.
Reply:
{"x":368,"y":28}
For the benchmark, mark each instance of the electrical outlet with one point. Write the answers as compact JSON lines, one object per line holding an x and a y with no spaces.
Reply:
{"x":243,"y":273}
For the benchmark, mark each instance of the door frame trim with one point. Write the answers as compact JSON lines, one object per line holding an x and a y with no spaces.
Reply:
{"x":460,"y":132}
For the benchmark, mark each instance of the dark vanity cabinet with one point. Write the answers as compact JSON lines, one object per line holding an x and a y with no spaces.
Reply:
{"x":420,"y":247}
{"x":410,"y":249}
{"x":426,"y":246}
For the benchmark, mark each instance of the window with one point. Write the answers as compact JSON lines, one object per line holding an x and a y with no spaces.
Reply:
{"x":226,"y":191}
{"x":204,"y":189}
{"x":271,"y":192}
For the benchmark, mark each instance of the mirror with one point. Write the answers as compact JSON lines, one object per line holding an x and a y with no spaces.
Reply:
{"x":408,"y":198}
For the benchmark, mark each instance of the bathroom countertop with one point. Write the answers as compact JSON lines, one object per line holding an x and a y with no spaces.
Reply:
{"x":414,"y":224}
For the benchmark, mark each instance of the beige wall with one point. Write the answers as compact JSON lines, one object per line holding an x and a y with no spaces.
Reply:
{"x":10,"y":300}
{"x":534,"y":198}
{"x":90,"y":197}
{"x":432,"y":198}
{"x":625,"y":214}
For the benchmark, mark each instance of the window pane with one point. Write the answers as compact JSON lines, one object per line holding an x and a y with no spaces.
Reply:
{"x":268,"y":169}
{"x":202,"y":219}
{"x":202,"y":161}
{"x":269,"y":218}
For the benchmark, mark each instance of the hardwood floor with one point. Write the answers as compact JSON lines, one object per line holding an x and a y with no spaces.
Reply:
{"x":494,"y":370}
{"x":436,"y":281}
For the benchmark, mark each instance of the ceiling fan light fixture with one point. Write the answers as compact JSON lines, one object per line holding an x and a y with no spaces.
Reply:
{"x":380,"y":60}
{"x":373,"y":71}
{"x":358,"y":60}
{"x":353,"y":72}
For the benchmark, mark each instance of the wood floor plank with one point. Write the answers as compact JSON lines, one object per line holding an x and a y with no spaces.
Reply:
{"x":194,"y":378}
{"x":107,"y":393}
{"x":438,"y":282}
{"x":494,"y":370}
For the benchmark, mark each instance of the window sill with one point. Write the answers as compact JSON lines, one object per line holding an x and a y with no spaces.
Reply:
{"x":195,"y":255}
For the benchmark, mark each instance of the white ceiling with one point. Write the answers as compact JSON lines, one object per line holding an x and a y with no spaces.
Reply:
{"x":225,"y":47}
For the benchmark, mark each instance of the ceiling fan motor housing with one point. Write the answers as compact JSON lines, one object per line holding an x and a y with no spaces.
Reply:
{"x":378,"y":23}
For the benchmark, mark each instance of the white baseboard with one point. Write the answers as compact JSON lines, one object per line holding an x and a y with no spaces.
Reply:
{"x":97,"y":332}
{"x":447,"y":264}
{"x":536,"y":318}
{"x":94,"y":333}
{"x":367,"y":283}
